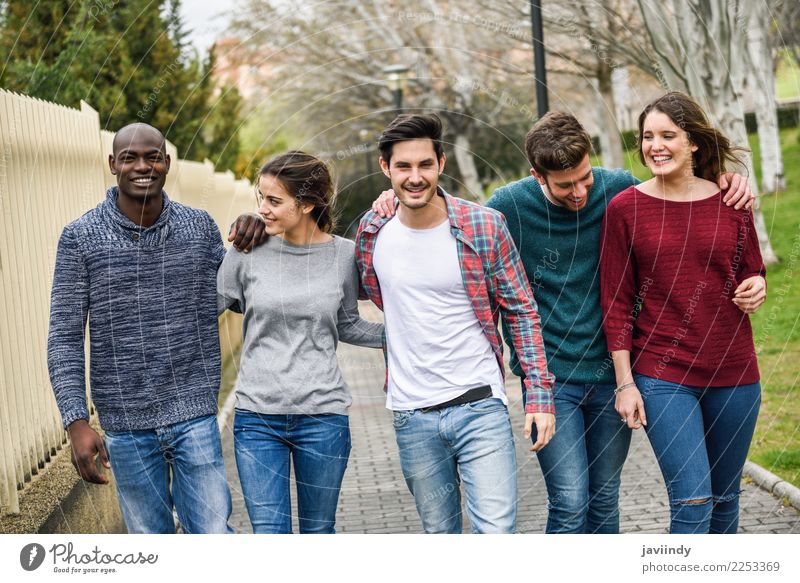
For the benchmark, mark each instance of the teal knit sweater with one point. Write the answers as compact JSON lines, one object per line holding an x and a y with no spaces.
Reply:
{"x":560,"y":250}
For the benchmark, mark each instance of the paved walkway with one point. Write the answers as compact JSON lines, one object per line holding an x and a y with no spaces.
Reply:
{"x":375,"y":499}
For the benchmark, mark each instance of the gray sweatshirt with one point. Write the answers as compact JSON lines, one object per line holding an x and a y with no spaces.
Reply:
{"x":298,"y":303}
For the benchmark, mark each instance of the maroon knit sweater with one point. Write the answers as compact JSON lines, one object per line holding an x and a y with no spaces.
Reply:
{"x":677,"y":265}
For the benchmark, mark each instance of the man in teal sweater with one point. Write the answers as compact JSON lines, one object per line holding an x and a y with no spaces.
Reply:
{"x":554,"y":217}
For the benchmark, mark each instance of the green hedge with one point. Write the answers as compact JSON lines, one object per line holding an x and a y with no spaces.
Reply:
{"x":788,"y":117}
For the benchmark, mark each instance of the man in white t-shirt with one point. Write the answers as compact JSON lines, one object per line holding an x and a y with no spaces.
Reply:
{"x":442,"y":271}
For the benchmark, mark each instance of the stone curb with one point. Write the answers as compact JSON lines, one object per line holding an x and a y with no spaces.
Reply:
{"x":772,"y":483}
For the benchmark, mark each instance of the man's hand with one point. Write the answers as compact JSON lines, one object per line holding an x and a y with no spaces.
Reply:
{"x":739,"y":194}
{"x":86,"y":446}
{"x":750,"y":294}
{"x":545,"y":428}
{"x":385,"y":204}
{"x":630,"y":406}
{"x":248,"y":232}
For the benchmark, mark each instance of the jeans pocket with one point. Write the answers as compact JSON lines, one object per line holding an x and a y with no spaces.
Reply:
{"x":401,"y":418}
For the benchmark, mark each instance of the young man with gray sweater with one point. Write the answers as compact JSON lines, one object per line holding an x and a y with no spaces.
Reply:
{"x":142,"y":269}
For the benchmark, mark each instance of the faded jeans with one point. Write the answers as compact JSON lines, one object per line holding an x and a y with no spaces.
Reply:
{"x":180,"y":464}
{"x":470,"y":443}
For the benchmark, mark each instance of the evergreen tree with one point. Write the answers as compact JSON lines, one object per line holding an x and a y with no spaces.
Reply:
{"x":50,"y":50}
{"x":129,"y":59}
{"x":222,"y":129}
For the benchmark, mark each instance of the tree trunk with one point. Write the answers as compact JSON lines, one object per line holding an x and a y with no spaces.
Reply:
{"x":762,"y":84}
{"x":610,"y":140}
{"x":470,"y":181}
{"x":703,"y":50}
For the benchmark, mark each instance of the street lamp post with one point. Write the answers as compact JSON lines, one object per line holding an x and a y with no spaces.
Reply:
{"x":364,"y":135}
{"x":539,"y":75}
{"x":395,"y":79}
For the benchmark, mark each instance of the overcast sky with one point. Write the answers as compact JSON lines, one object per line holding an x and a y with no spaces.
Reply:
{"x":205,"y":19}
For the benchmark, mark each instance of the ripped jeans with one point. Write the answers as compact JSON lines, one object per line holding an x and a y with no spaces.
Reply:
{"x":700,"y":437}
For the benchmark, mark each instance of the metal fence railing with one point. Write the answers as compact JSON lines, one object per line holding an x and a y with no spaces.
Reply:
{"x":53,"y":168}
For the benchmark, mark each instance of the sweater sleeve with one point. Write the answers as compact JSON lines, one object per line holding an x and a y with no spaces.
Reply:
{"x":350,"y":326}
{"x":617,"y":279}
{"x":751,"y":263}
{"x":230,"y":287}
{"x":69,"y":309}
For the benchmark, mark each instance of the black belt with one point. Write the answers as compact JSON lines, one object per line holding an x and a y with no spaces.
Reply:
{"x":472,"y":395}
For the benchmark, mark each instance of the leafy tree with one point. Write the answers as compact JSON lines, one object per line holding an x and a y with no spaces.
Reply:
{"x":130,"y":60}
{"x":222,"y":129}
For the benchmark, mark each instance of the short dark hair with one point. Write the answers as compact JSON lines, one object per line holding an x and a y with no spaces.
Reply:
{"x":557,"y":141}
{"x":309,"y":180}
{"x":411,"y":127}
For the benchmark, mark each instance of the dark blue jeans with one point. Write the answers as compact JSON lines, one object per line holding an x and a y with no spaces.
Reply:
{"x":319,"y":447}
{"x":700,"y":437}
{"x":583,"y":462}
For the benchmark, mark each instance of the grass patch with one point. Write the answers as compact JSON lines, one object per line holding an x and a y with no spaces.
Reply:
{"x":787,"y":77}
{"x":776,"y":326}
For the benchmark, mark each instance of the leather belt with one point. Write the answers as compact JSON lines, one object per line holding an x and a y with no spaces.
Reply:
{"x":472,"y":395}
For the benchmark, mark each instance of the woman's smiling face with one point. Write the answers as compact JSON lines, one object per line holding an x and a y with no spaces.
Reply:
{"x":666,"y":147}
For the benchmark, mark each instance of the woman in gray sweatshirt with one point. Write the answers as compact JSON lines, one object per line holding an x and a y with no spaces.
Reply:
{"x":298,"y":293}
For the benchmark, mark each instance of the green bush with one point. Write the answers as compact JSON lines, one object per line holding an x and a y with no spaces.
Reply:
{"x":628,"y":140}
{"x":788,"y":117}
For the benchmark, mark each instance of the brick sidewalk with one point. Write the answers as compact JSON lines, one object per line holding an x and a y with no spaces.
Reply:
{"x":374,"y":497}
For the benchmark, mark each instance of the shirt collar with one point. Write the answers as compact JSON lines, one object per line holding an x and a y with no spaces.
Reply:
{"x":119,"y":217}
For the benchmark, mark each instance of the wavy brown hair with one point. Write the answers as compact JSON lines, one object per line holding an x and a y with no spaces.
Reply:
{"x":714,"y":149}
{"x":309,"y":180}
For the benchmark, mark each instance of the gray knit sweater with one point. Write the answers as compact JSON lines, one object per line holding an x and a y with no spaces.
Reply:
{"x":150,"y":297}
{"x":298,"y":303}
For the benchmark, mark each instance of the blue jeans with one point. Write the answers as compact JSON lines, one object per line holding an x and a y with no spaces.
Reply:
{"x":469,"y":443}
{"x":583,"y":462}
{"x":180,"y":464}
{"x":319,"y":446}
{"x":700,"y":437}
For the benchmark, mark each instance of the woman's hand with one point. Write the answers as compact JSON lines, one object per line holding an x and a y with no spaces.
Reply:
{"x":630,"y":406}
{"x":750,"y":294}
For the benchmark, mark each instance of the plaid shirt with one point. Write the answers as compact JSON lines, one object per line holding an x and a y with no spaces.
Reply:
{"x":496,"y":285}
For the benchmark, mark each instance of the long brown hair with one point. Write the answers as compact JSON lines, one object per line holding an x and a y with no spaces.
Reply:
{"x":309,"y":180}
{"x":714,"y":149}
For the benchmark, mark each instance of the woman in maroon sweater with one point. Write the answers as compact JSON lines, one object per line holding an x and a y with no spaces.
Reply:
{"x":681,"y":271}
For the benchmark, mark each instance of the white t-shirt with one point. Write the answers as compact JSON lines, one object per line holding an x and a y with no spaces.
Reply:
{"x":437,"y":348}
